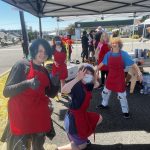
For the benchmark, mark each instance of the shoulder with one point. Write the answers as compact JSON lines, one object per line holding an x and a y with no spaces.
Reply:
{"x":124,"y":53}
{"x":77,"y":87}
{"x":21,"y":64}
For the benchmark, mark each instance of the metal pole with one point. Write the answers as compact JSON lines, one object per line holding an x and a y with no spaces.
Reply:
{"x":40,"y":27}
{"x":57,"y":25}
{"x":25,"y":43}
{"x":134,"y":15}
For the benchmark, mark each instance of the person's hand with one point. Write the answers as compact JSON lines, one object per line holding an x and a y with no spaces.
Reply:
{"x":96,"y":69}
{"x":140,"y":78}
{"x":56,"y":64}
{"x":34,"y":83}
{"x":81,"y":74}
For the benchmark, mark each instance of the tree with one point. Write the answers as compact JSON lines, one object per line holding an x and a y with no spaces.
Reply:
{"x":71,"y":29}
{"x":144,"y":18}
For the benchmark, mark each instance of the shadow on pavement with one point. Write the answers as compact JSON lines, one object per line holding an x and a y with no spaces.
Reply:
{"x":119,"y":147}
{"x":139,"y":106}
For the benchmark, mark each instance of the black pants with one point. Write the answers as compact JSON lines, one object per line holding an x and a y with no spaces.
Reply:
{"x":24,"y":142}
{"x":85,"y":53}
{"x":104,"y":75}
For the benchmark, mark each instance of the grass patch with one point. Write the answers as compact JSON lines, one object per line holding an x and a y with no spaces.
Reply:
{"x":3,"y":105}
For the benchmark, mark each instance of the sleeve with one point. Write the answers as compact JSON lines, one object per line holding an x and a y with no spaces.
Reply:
{"x":48,"y":88}
{"x":102,"y":52}
{"x":106,"y":57}
{"x":16,"y":81}
{"x":77,"y":91}
{"x":127,"y":59}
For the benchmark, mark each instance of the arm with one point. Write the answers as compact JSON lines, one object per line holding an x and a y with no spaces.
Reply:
{"x":129,"y":62}
{"x":99,"y":66}
{"x":16,"y":82}
{"x":138,"y":72}
{"x":67,"y":87}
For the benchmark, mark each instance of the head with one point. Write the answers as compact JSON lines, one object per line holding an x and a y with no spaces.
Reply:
{"x":116,"y":43}
{"x":99,"y":29}
{"x":40,"y":50}
{"x":69,"y":36}
{"x":92,"y":32}
{"x":58,"y":44}
{"x":84,"y":33}
{"x":104,"y":38}
{"x":88,"y":79}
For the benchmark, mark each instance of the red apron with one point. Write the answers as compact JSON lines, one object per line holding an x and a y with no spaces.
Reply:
{"x":116,"y":76}
{"x":60,"y":58}
{"x":28,"y":111}
{"x":85,"y":121}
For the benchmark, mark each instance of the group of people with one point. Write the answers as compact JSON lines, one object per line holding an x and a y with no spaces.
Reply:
{"x":28,"y":87}
{"x":90,"y":42}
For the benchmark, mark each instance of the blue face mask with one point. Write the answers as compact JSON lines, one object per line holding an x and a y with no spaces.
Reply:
{"x":58,"y":42}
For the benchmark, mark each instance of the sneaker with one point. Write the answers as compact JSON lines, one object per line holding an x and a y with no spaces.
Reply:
{"x":102,"y":107}
{"x":126,"y":115}
{"x":65,"y":96}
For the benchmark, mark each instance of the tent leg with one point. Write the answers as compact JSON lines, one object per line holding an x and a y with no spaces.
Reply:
{"x":25,"y":43}
{"x":40,"y":27}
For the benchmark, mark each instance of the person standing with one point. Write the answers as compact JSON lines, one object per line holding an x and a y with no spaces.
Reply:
{"x":28,"y":88}
{"x":59,"y":66}
{"x":79,"y":123}
{"x":98,"y":34}
{"x":91,"y":43}
{"x":103,"y":49}
{"x":84,"y":41}
{"x":117,"y":60}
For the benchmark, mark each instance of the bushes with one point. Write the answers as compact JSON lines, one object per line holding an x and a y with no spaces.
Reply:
{"x":135,"y":37}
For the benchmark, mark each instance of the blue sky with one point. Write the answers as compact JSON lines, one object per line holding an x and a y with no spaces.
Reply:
{"x":10,"y":19}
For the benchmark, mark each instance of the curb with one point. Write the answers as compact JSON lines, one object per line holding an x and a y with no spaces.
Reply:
{"x":1,"y":75}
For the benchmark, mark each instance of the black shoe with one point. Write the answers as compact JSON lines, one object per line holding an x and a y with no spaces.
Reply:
{"x":102,"y":107}
{"x":126,"y":115}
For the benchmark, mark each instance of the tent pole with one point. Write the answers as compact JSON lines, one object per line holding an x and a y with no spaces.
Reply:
{"x":40,"y":27}
{"x":134,"y":15}
{"x":25,"y":43}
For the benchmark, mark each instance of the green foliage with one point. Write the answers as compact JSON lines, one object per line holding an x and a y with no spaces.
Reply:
{"x":135,"y":36}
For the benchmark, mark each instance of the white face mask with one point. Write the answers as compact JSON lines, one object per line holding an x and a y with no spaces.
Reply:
{"x":88,"y":78}
{"x":59,"y":49}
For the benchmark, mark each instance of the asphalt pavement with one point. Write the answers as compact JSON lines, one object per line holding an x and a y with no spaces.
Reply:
{"x":115,"y":132}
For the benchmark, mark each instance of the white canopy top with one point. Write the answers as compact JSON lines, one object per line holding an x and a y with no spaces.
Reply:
{"x":60,"y":8}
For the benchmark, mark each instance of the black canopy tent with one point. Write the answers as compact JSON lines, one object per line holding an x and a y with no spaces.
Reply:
{"x":61,"y":8}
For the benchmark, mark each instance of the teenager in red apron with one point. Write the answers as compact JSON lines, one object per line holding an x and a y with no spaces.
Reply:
{"x":103,"y":50}
{"x":29,"y":115}
{"x":116,"y":61}
{"x":59,"y":65}
{"x":79,"y":123}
